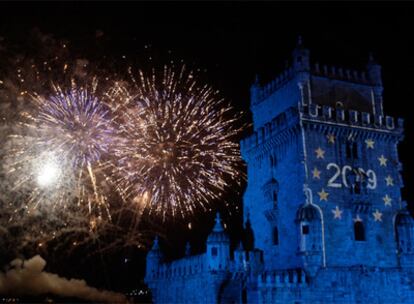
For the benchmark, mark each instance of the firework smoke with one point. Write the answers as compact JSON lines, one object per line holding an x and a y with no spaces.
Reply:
{"x":29,"y":278}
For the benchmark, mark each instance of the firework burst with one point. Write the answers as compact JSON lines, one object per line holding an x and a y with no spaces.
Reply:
{"x":179,"y":152}
{"x":64,"y":143}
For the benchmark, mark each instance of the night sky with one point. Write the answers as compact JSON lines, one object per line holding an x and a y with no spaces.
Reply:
{"x":231,"y":42}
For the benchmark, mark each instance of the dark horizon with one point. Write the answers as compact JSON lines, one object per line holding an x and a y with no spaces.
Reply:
{"x":233,"y":42}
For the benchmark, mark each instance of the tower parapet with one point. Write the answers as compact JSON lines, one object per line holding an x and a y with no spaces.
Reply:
{"x":321,"y":129}
{"x":283,"y":278}
{"x":306,"y":83}
{"x":339,"y":73}
{"x":354,"y":118}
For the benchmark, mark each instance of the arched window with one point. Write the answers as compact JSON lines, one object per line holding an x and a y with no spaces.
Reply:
{"x":214,"y":251}
{"x":354,"y":150}
{"x":357,"y":187}
{"x":244,"y":295}
{"x":339,"y":104}
{"x":274,"y":198}
{"x":270,"y":191}
{"x":359,"y":231}
{"x":275,"y":236}
{"x":273,"y":161}
{"x":348,"y":150}
{"x":305,"y":229}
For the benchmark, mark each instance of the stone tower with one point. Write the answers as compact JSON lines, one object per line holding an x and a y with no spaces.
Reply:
{"x":323,"y":129}
{"x":324,"y":219}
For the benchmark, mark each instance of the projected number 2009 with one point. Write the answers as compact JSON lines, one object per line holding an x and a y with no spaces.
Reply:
{"x":340,"y":175}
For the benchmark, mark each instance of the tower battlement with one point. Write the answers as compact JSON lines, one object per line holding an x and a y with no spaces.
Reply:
{"x":324,"y":113}
{"x":348,"y":238}
{"x":283,"y":278}
{"x":358,"y":77}
{"x":261,"y":92}
{"x":277,"y":125}
{"x":339,"y":73}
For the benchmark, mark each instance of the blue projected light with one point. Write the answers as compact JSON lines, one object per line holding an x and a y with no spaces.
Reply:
{"x":324,"y":217}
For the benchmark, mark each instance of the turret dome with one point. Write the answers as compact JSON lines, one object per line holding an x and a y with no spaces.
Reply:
{"x":218,"y":234}
{"x":404,"y":218}
{"x":308,"y":213}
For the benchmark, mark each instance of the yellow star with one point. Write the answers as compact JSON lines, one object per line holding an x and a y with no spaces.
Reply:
{"x":389,"y":181}
{"x":331,"y":138}
{"x":316,"y":173}
{"x":357,"y":219}
{"x":370,"y":143}
{"x":377,"y":216}
{"x":387,"y":200}
{"x":383,"y":161}
{"x":323,"y":196}
{"x":320,"y":153}
{"x":337,"y":213}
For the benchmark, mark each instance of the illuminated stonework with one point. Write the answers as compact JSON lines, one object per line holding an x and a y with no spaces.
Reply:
{"x":339,"y":231}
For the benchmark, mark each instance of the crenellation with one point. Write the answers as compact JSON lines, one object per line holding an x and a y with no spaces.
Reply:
{"x":378,"y":121}
{"x":327,"y":112}
{"x":179,"y":268}
{"x":351,"y":117}
{"x":356,"y":76}
{"x":313,"y":110}
{"x":330,"y":72}
{"x":284,"y":278}
{"x":348,"y":74}
{"x":365,"y":119}
{"x":389,"y":122}
{"x":340,"y":115}
{"x":270,"y":129}
{"x":317,"y":68}
{"x":268,"y":89}
{"x":341,"y":72}
{"x":364,"y":76}
{"x":401,"y":123}
{"x":346,"y":239}
{"x":325,"y":70}
{"x":278,"y":80}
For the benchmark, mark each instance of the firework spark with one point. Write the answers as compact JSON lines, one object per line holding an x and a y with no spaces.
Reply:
{"x":64,"y":144}
{"x":165,"y":142}
{"x":55,"y":188}
{"x":179,"y":152}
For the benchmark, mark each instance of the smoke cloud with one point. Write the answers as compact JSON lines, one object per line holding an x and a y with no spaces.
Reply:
{"x":29,"y":278}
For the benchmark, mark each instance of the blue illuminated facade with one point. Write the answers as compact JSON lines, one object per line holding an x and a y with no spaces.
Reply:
{"x":325,"y":221}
